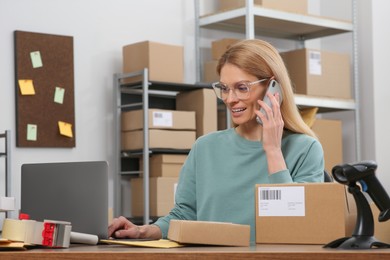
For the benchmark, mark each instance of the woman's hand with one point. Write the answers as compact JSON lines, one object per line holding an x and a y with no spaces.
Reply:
{"x":272,"y":134}
{"x":123,"y":228}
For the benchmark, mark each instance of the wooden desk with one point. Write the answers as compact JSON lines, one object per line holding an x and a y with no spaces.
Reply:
{"x":116,"y":252}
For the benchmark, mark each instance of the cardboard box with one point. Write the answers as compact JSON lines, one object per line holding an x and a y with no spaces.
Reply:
{"x":302,"y":213}
{"x":169,"y":139}
{"x":210,"y":74}
{"x":161,"y":194}
{"x":164,"y":165}
{"x":297,"y":6}
{"x":159,"y":119}
{"x":204,"y":103}
{"x":330,"y":135}
{"x":219,"y":47}
{"x":165,"y":62}
{"x":319,"y":73}
{"x":209,"y":233}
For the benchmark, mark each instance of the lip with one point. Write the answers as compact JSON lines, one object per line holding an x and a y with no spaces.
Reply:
{"x":237,"y":111}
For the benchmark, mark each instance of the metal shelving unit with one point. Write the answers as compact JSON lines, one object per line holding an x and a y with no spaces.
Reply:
{"x":143,"y":95}
{"x":6,"y":154}
{"x":258,"y":21}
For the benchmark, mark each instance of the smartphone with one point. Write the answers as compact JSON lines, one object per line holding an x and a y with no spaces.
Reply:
{"x":273,"y":88}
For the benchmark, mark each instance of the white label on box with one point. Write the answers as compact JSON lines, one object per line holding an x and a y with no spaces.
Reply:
{"x":162,"y":119}
{"x":315,"y":67}
{"x":281,"y":201}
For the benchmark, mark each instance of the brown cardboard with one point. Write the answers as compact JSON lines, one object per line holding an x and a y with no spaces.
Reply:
{"x":170,"y":139}
{"x":325,"y":218}
{"x":164,"y":165}
{"x":159,"y":119}
{"x":319,"y":73}
{"x":165,"y":62}
{"x":329,"y":133}
{"x":298,"y":6}
{"x":204,"y":103}
{"x":209,"y":233}
{"x":161,"y":194}
{"x":219,"y":47}
{"x":210,"y":74}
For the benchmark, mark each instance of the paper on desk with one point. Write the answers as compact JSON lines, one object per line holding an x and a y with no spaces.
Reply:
{"x":6,"y":244}
{"x":162,"y":243}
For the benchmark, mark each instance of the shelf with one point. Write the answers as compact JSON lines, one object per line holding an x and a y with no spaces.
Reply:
{"x":159,"y":87}
{"x":136,"y":153}
{"x":325,"y":104}
{"x":275,"y":23}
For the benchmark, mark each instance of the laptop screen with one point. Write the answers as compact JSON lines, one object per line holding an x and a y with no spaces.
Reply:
{"x":76,"y":192}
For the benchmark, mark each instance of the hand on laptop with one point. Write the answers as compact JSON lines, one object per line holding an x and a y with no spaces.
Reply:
{"x":123,"y":228}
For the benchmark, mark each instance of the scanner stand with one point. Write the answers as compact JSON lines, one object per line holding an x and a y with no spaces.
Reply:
{"x":363,"y":235}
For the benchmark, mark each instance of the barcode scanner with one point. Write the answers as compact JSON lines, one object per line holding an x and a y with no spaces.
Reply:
{"x":364,"y":174}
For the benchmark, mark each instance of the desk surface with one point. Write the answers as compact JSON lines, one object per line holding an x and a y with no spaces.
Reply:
{"x":195,"y":252}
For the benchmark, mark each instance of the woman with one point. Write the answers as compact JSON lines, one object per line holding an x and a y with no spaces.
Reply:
{"x":218,"y":178}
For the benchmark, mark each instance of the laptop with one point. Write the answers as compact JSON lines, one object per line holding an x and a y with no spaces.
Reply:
{"x":76,"y":192}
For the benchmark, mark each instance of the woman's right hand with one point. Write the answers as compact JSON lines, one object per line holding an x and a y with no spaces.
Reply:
{"x":123,"y":228}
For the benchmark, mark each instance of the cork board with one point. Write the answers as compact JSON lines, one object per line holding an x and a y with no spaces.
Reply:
{"x":44,"y":90}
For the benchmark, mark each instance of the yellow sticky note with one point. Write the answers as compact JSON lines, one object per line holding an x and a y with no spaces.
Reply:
{"x":36,"y":59}
{"x":65,"y":129}
{"x":59,"y":95}
{"x":32,"y":132}
{"x":26,"y":87}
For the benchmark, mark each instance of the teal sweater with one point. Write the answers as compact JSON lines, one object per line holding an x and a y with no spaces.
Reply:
{"x":217,"y":181}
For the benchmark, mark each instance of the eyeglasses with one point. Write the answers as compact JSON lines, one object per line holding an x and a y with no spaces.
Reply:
{"x":240,"y":89}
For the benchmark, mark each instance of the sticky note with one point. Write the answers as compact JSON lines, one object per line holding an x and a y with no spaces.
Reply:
{"x":36,"y":59}
{"x":26,"y":87}
{"x":32,"y":131}
{"x":59,"y":95}
{"x":65,"y":129}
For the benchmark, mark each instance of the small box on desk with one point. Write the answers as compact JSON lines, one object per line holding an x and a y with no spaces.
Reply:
{"x":303,"y":213}
{"x":164,"y":139}
{"x":165,"y":62}
{"x":164,"y":165}
{"x":209,"y":233}
{"x":161,"y":193}
{"x":319,"y":73}
{"x":159,"y":119}
{"x":204,"y":103}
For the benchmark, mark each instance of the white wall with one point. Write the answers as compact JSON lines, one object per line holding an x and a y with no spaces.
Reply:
{"x":100,"y":29}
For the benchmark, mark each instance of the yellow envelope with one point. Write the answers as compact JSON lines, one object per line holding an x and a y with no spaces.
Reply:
{"x":65,"y":129}
{"x":162,"y":243}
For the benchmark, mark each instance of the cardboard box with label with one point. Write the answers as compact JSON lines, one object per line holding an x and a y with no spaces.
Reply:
{"x":330,"y":135}
{"x":161,"y":194}
{"x":204,"y":103}
{"x":297,"y":6}
{"x":164,"y":165}
{"x":303,"y":213}
{"x":168,"y":139}
{"x":319,"y":73}
{"x":165,"y":62}
{"x":209,"y":233}
{"x":159,"y":119}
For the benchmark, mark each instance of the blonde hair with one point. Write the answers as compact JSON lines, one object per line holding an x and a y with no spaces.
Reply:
{"x":261,"y":59}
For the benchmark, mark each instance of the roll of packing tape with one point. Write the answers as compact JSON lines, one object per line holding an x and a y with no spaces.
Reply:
{"x":16,"y":230}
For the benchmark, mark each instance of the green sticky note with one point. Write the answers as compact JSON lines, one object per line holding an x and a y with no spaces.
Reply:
{"x":59,"y":95}
{"x":32,"y":131}
{"x":36,"y":59}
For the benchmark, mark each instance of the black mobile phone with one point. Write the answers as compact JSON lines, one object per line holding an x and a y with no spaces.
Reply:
{"x":273,"y":88}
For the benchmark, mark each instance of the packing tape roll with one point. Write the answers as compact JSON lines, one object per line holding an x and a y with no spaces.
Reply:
{"x":16,"y":230}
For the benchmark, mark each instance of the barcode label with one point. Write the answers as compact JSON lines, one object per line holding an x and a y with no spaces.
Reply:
{"x":272,"y":203}
{"x":162,"y":119}
{"x":315,"y":67}
{"x":270,"y":194}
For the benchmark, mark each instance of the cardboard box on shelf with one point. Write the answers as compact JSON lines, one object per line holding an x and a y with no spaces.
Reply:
{"x":164,"y":165}
{"x":219,"y":47}
{"x":210,"y":74}
{"x":161,"y":194}
{"x":298,"y":6}
{"x":169,"y":139}
{"x":159,"y":119}
{"x":165,"y":62}
{"x":303,"y":213}
{"x":330,"y":135}
{"x":319,"y":73}
{"x":204,"y":103}
{"x":209,"y":233}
